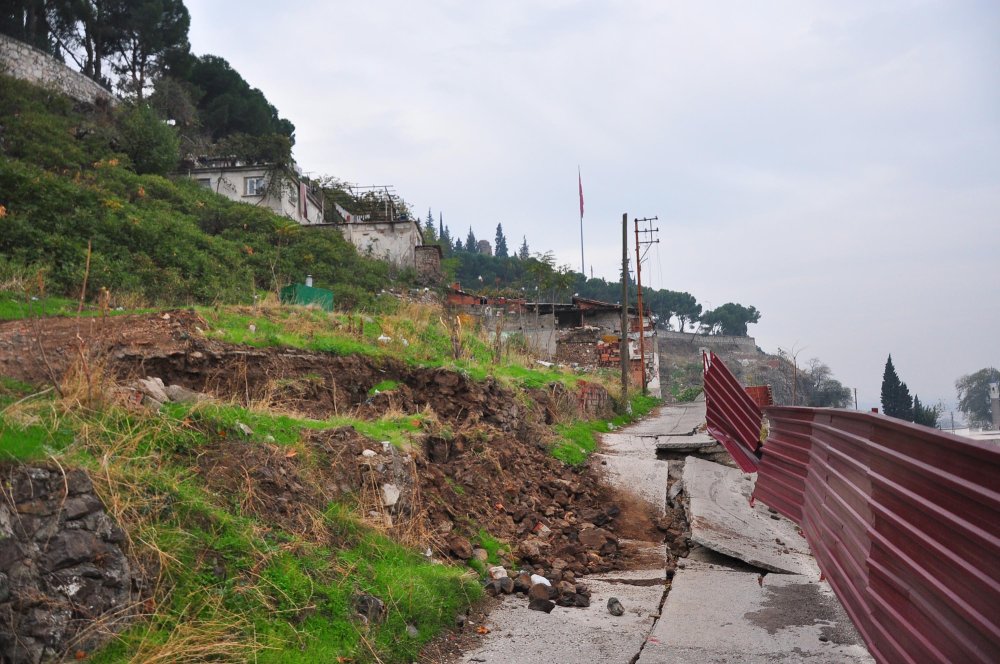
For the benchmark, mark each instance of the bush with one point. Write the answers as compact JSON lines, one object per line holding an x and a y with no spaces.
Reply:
{"x":150,"y":143}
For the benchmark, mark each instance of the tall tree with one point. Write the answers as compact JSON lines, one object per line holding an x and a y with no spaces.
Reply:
{"x":523,"y":252}
{"x":500,"y":244}
{"x":100,"y":34}
{"x":891,"y":390}
{"x":730,"y":319}
{"x":974,"y":396}
{"x":470,"y":242}
{"x":150,"y":29}
{"x":905,"y":403}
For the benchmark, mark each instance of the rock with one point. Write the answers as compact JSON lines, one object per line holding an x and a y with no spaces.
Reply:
{"x":566,"y":588}
{"x":78,"y":481}
{"x":70,"y":547}
{"x":595,"y":538}
{"x":153,"y":388}
{"x":538,"y":578}
{"x":482,"y":555}
{"x":615,"y":607}
{"x":539,"y":591}
{"x":371,"y":608}
{"x":522,"y":582}
{"x":582,"y":601}
{"x":79,"y":506}
{"x":390,"y":495}
{"x":541,"y":605}
{"x":412,"y":631}
{"x":368,"y":454}
{"x":497,"y":572}
{"x":531,"y":549}
{"x":244,"y":429}
{"x":181,"y":394}
{"x":460,"y":620}
{"x":4,"y":588}
{"x":460,"y":547}
{"x":506,"y":585}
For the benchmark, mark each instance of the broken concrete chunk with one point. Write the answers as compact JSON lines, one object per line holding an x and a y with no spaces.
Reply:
{"x":390,"y":494}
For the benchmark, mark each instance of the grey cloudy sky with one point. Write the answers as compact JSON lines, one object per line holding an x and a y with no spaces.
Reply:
{"x":835,"y":164}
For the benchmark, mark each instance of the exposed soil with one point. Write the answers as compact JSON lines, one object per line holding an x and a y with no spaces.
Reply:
{"x":482,"y":463}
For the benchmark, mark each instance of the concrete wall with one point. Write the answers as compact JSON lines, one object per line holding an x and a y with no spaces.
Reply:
{"x":747,"y":344}
{"x":395,"y":242}
{"x":541,"y":337}
{"x":30,"y":64}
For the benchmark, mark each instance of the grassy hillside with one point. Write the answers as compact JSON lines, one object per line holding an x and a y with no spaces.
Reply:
{"x":66,"y":180}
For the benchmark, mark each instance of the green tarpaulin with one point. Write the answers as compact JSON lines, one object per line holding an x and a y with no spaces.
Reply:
{"x":307,"y":295}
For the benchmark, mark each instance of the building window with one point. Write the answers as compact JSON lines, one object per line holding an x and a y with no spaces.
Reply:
{"x":205,"y":182}
{"x":253,"y":186}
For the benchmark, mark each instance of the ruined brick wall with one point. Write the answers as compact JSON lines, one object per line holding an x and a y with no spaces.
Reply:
{"x":26,"y":62}
{"x":428,"y":264}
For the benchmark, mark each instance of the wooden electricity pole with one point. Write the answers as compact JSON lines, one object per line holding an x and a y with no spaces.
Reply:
{"x":623,"y":341}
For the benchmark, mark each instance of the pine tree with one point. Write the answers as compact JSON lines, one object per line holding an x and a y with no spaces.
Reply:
{"x":925,"y":415}
{"x":441,"y":225}
{"x":430,"y":219}
{"x":890,"y":390}
{"x":523,"y":252}
{"x":500,"y":246}
{"x":471,"y":245}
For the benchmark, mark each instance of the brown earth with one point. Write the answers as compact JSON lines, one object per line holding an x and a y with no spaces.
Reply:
{"x":481,"y":463}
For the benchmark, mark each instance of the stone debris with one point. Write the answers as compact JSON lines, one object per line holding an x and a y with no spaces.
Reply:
{"x":370,"y":608}
{"x":153,"y":393}
{"x":64,"y":577}
{"x":615,"y":607}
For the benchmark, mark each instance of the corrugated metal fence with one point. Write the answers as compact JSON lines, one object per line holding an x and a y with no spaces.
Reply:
{"x":904,"y":522}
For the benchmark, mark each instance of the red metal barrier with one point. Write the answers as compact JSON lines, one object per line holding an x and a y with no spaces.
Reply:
{"x":904,"y":522}
{"x":732,"y":417}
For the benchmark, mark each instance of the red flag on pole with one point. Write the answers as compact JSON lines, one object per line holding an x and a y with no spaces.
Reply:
{"x":580,"y":181}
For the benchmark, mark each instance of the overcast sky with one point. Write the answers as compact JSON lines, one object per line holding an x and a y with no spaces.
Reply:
{"x":835,"y":164}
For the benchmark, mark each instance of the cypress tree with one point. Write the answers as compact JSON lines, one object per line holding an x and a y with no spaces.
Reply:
{"x":890,"y":390}
{"x":500,"y":245}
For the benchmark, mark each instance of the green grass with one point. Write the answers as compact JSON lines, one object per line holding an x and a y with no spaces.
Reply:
{"x":578,"y":440}
{"x":384,"y":386}
{"x":493,"y":546}
{"x":32,"y":442}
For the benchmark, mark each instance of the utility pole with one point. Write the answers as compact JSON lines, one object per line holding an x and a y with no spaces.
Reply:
{"x":638,"y":281}
{"x":623,"y":341}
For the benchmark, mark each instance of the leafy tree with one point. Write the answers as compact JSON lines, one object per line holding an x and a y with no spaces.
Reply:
{"x":500,"y":243}
{"x":151,"y":144}
{"x":100,"y":31}
{"x":730,"y":319}
{"x":821,"y":389}
{"x":974,"y":396}
{"x":171,"y":98}
{"x":150,"y":29}
{"x":523,"y":252}
{"x":40,"y":23}
{"x":471,"y":244}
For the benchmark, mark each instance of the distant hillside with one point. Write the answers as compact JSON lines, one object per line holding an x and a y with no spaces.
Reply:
{"x":69,"y":176}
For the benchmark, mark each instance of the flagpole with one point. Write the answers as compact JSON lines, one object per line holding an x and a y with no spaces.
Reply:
{"x":579,"y":179}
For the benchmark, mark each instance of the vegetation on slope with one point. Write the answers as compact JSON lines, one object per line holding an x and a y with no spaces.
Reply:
{"x":67,"y":181}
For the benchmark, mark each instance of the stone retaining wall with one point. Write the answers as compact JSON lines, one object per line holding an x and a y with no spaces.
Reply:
{"x":27,"y":63}
{"x":747,"y":344}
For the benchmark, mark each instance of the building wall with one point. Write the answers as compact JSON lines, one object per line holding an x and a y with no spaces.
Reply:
{"x":30,"y":64}
{"x":539,"y":335}
{"x":231,"y":183}
{"x":395,"y":242}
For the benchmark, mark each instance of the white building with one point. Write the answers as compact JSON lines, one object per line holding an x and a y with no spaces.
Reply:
{"x":290,"y":197}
